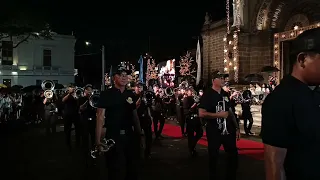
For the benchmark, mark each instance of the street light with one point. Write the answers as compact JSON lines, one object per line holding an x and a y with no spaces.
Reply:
{"x":102,"y":64}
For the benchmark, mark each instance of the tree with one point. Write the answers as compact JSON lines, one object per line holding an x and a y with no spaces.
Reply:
{"x":186,"y":66}
{"x":21,"y":26}
{"x":151,"y":73}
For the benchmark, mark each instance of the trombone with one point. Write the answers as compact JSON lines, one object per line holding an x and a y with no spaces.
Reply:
{"x":48,"y":87}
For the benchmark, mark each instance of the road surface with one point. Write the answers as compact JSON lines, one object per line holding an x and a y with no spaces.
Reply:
{"x":27,"y":153}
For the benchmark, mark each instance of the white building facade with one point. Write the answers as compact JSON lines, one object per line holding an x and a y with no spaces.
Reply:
{"x":36,"y":60}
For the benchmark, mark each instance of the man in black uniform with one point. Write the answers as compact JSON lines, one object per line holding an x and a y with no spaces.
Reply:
{"x":71,"y":115}
{"x":50,"y":114}
{"x":144,"y":112}
{"x":246,"y":111}
{"x":221,"y":127}
{"x":291,"y":115}
{"x":157,"y":113}
{"x":117,"y":106}
{"x":193,"y":122}
{"x":87,"y":119}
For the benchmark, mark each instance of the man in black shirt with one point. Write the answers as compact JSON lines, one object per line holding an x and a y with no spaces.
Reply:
{"x":87,"y":118}
{"x":193,"y":122}
{"x":50,"y":114}
{"x":291,"y":115}
{"x":246,"y":111}
{"x":221,"y":127}
{"x":71,"y":115}
{"x":157,"y":113}
{"x":144,"y":113}
{"x":117,"y":106}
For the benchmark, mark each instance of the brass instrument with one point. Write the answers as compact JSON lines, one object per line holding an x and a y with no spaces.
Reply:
{"x":78,"y":92}
{"x":222,"y":123}
{"x":183,"y":85}
{"x":48,"y":87}
{"x":93,"y":100}
{"x":196,"y":98}
{"x":238,"y":98}
{"x":169,"y":91}
{"x":106,"y":145}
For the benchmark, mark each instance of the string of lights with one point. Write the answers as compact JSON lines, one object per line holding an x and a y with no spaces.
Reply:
{"x":225,"y":39}
{"x":236,"y":44}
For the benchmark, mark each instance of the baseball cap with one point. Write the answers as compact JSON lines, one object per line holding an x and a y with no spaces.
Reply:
{"x":217,"y":74}
{"x":308,"y":41}
{"x":121,"y":70}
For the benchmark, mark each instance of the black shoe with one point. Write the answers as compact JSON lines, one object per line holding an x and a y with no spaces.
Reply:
{"x":193,"y":153}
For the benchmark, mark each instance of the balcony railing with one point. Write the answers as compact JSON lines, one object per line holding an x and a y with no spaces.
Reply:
{"x":37,"y":69}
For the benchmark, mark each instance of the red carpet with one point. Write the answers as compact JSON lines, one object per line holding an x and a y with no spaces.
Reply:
{"x":246,"y":147}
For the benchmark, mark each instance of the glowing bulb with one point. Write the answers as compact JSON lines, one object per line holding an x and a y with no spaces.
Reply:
{"x":296,"y":27}
{"x":235,"y":68}
{"x":224,"y":39}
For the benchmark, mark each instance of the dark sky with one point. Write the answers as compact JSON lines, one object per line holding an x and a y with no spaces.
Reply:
{"x":124,"y":28}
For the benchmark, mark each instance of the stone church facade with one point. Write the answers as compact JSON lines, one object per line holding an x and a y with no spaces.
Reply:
{"x":266,"y":25}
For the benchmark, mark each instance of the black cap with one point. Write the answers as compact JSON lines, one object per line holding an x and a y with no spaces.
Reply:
{"x":217,"y":74}
{"x":88,"y":86}
{"x":121,"y":70}
{"x":138,"y":84}
{"x":308,"y":41}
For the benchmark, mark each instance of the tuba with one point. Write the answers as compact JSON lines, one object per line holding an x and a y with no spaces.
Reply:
{"x":48,"y":87}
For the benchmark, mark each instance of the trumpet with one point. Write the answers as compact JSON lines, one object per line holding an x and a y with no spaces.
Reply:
{"x":48,"y":87}
{"x":106,"y":145}
{"x":78,"y":92}
{"x":93,"y":100}
{"x":169,"y":91}
{"x":222,"y":123}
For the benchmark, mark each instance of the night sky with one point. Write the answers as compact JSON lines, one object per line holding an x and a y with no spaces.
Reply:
{"x":126,"y":28}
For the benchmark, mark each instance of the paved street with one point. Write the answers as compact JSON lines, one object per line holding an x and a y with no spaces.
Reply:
{"x":30,"y":155}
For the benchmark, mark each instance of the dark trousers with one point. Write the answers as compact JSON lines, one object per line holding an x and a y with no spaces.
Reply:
{"x":123,"y":157}
{"x":247,"y":116}
{"x":147,"y":137}
{"x":88,"y":129}
{"x":70,"y":119}
{"x":182,"y":120}
{"x":195,"y":132}
{"x":50,"y":122}
{"x":158,"y":118}
{"x":215,"y":140}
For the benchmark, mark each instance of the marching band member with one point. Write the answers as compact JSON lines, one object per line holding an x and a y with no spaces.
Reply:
{"x":221,"y":127}
{"x":70,"y":115}
{"x":246,"y":112}
{"x":179,"y":111}
{"x":157,"y":115}
{"x":193,"y":122}
{"x":87,"y":119}
{"x":117,"y":108}
{"x":50,"y":114}
{"x":144,"y":113}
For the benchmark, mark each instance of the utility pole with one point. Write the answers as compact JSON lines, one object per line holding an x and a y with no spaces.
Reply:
{"x":103,"y":68}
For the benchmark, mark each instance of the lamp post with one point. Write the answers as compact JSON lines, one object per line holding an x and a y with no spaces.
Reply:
{"x":102,"y":64}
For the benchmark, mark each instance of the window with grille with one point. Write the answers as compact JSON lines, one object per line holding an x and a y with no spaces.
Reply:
{"x":46,"y":57}
{"x":7,"y":53}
